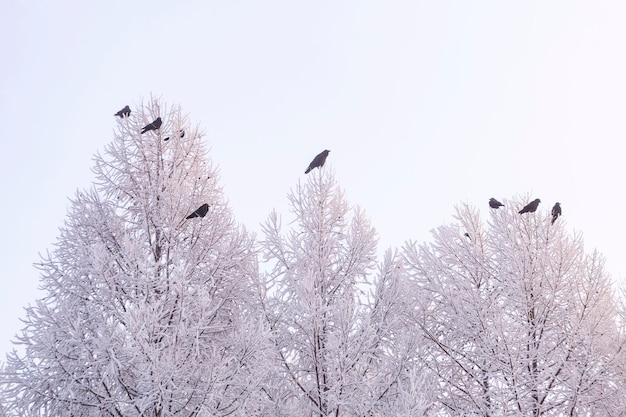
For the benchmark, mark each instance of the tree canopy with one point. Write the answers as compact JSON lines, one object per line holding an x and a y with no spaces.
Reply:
{"x":158,"y":303}
{"x":146,"y":312}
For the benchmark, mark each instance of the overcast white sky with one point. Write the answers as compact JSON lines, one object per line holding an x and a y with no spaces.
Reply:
{"x":423,"y":104}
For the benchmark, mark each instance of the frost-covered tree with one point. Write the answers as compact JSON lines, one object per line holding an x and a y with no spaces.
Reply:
{"x":518,"y":319}
{"x":145,"y":313}
{"x":341,"y":348}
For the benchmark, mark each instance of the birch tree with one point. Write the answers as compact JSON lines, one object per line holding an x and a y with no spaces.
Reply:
{"x":518,"y":318}
{"x":145,"y":313}
{"x":340,"y":349}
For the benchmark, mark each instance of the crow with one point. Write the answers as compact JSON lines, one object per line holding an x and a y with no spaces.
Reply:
{"x":556,"y":212}
{"x":530,"y":207}
{"x":182,"y":135}
{"x":152,"y":126}
{"x":493,"y":203}
{"x":125,"y":112}
{"x":318,"y":161}
{"x":200,"y":212}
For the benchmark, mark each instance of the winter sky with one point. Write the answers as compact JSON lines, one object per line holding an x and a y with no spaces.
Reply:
{"x":423,"y":104}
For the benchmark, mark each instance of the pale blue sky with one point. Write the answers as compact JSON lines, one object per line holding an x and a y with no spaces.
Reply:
{"x":423,"y":105}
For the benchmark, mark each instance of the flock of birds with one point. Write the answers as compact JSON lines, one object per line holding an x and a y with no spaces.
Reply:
{"x":202,"y":211}
{"x":529,"y":208}
{"x":318,"y":162}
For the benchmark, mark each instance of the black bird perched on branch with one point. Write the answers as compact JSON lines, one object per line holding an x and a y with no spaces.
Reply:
{"x":556,"y":212}
{"x":125,"y":112}
{"x":318,"y":161}
{"x":530,"y":207}
{"x":152,"y":126}
{"x":182,"y":135}
{"x":200,"y":212}
{"x":493,"y":203}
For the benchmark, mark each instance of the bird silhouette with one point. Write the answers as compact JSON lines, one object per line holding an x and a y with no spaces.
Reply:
{"x":152,"y":126}
{"x":493,"y":203}
{"x":318,"y":161}
{"x":125,"y":112}
{"x":556,"y":212}
{"x":530,"y":207}
{"x":182,"y":135}
{"x":200,"y":211}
